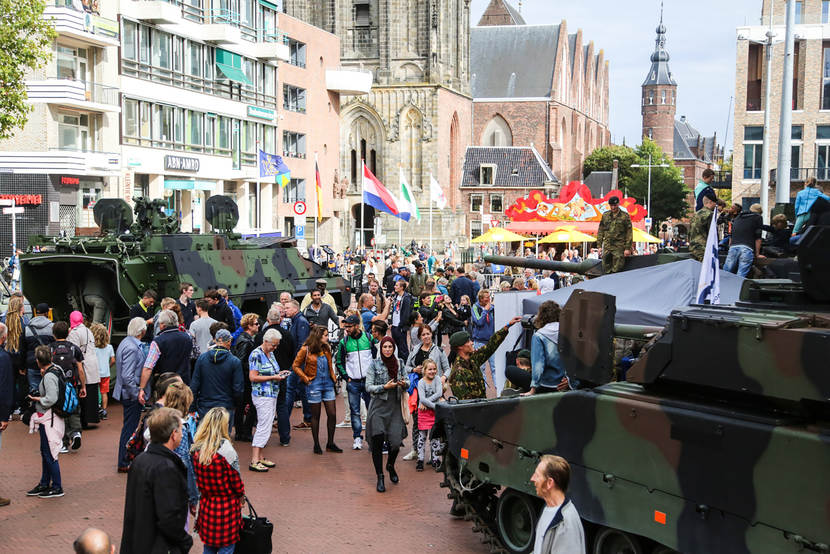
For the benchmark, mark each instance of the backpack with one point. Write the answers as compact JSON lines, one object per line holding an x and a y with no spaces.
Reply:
{"x":63,"y":356}
{"x":67,"y":397}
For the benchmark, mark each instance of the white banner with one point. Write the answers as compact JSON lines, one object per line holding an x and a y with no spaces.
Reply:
{"x":708,"y":285}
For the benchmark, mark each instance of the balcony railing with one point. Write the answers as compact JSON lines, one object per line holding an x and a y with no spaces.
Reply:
{"x":82,"y":24}
{"x":802,"y":174}
{"x":62,"y":160}
{"x":72,"y":92}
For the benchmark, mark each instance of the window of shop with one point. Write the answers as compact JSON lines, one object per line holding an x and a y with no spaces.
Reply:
{"x":73,"y":132}
{"x":496,"y":203}
{"x":142,"y":185}
{"x":294,"y":191}
{"x":229,"y":188}
{"x":475,"y":202}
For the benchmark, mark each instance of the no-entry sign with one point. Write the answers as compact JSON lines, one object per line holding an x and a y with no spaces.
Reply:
{"x":300,"y":207}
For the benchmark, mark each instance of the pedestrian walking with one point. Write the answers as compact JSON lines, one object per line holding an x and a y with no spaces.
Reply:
{"x":217,"y":379}
{"x":615,"y":236}
{"x":70,"y":359}
{"x":82,"y":337}
{"x":315,"y":368}
{"x":93,"y":541}
{"x":129,"y":360}
{"x":265,"y":375}
{"x":386,"y":382}
{"x":296,"y":323}
{"x":402,"y":304}
{"x":155,"y":507}
{"x":170,"y":351}
{"x":245,"y":414}
{"x":105,"y":356}
{"x":48,"y":424}
{"x":430,"y":392}
{"x":15,"y":347}
{"x":353,"y":357}
{"x":200,"y":328}
{"x":216,"y":464}
{"x":37,"y":332}
{"x":179,"y":397}
{"x":559,"y":529}
{"x":7,"y":378}
{"x":186,"y":303}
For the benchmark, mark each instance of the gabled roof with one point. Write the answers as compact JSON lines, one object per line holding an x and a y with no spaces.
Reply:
{"x":513,"y":61}
{"x":516,"y":166}
{"x":687,"y":137}
{"x":502,"y":12}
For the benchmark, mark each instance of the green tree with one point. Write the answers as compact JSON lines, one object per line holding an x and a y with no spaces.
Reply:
{"x":602,"y":159}
{"x":25,"y":45}
{"x":668,"y":191}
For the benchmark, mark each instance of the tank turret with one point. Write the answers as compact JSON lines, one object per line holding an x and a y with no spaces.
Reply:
{"x":588,"y":267}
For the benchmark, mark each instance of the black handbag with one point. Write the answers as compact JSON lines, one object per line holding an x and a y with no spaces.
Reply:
{"x":511,"y":355}
{"x":255,"y":536}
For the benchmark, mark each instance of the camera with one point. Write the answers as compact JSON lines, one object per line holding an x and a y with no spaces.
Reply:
{"x":528,"y":322}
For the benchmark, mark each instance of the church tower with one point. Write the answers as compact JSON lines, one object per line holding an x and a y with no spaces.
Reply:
{"x":660,"y":96}
{"x":416,"y":121}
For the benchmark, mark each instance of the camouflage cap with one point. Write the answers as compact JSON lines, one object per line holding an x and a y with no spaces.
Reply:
{"x":459,"y":338}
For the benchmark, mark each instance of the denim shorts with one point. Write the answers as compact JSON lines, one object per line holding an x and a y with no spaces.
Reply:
{"x":321,"y":389}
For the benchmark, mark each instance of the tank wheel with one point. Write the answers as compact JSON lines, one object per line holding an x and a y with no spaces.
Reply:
{"x":516,"y":519}
{"x":614,"y":541}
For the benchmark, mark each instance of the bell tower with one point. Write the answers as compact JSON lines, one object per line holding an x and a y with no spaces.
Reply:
{"x":660,"y":95}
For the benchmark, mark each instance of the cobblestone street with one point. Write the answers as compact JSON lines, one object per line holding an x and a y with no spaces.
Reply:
{"x":317,"y":503}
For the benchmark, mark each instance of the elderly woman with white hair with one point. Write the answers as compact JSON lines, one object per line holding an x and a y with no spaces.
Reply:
{"x":265,"y":376}
{"x":129,"y":361}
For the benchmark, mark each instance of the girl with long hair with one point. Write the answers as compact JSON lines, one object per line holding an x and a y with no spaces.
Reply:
{"x":106,"y":360}
{"x":314,"y":366}
{"x":386,"y":381}
{"x":216,"y":465}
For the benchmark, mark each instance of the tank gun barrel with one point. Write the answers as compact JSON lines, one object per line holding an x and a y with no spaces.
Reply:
{"x":636,"y":332}
{"x":568,"y":267}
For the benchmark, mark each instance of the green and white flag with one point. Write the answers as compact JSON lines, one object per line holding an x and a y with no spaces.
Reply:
{"x":408,"y":204}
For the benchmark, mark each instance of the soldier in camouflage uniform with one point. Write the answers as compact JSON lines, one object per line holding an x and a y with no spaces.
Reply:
{"x":699,"y":226}
{"x":466,"y":378}
{"x":614,"y":236}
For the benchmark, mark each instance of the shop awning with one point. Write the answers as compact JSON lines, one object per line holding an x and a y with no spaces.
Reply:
{"x":230,"y":65}
{"x":188,"y":184}
{"x":233,"y":74}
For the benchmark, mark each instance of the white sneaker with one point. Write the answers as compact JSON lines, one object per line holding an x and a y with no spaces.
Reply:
{"x":345,"y":424}
{"x":64,"y":450}
{"x":358,"y":444}
{"x":411,"y":456}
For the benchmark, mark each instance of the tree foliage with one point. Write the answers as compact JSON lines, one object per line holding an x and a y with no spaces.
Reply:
{"x":25,"y":45}
{"x":668,"y":191}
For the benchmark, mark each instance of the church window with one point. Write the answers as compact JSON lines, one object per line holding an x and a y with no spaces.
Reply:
{"x":353,"y":165}
{"x":487,"y":174}
{"x":650,"y":97}
{"x":361,"y":13}
{"x":663,"y":97}
{"x":497,"y":133}
{"x":673,"y":97}
{"x":373,"y":161}
{"x":650,"y":133}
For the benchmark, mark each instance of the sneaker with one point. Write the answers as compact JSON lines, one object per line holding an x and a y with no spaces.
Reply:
{"x":4,"y":501}
{"x":345,"y":424}
{"x":284,"y":444}
{"x":37,"y":490}
{"x":64,"y":450}
{"x":358,"y":444}
{"x":419,"y":466}
{"x":76,"y":441}
{"x":411,"y":456}
{"x":258,"y":467}
{"x":298,"y":404}
{"x":51,"y":493}
{"x":102,"y":414}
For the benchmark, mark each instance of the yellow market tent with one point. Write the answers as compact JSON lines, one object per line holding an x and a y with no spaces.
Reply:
{"x":498,"y":234}
{"x":568,"y":235}
{"x":642,"y":236}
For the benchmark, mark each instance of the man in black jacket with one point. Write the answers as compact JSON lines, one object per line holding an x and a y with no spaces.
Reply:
{"x":219,"y":309}
{"x":284,"y":354}
{"x":401,"y":312}
{"x":245,"y":412}
{"x":37,"y":332}
{"x":169,"y":352}
{"x":145,"y":310}
{"x":155,"y":508}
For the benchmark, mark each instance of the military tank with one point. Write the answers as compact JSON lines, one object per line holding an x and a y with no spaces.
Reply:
{"x":148,"y":251}
{"x":718,"y":442}
{"x":588,"y":267}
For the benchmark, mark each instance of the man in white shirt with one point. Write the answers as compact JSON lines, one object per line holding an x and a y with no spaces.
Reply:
{"x":559,"y":529}
{"x":200,"y":328}
{"x":547,"y":283}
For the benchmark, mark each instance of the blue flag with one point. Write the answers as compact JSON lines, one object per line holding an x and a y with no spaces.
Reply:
{"x":271,"y":164}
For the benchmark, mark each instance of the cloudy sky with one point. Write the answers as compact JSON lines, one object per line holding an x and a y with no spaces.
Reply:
{"x":700,"y":41}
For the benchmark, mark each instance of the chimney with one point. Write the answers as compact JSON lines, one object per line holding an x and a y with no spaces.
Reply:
{"x":615,"y":174}
{"x":683,"y":118}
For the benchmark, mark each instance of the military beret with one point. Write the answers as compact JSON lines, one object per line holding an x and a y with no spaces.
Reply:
{"x":524,"y":353}
{"x":613,"y":201}
{"x":459,"y":338}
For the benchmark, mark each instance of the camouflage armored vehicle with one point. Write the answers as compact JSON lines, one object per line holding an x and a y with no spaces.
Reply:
{"x":718,"y":442}
{"x":132,"y":255}
{"x":588,"y":267}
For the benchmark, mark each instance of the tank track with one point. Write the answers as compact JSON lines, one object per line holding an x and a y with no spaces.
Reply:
{"x":478,"y":506}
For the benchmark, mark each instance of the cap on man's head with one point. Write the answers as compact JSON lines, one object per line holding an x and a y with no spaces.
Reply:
{"x":417,"y":264}
{"x":524,"y":354}
{"x":613,"y":201}
{"x":320,"y":281}
{"x":459,"y":338}
{"x":42,"y":308}
{"x":352,"y":320}
{"x":223,"y":335}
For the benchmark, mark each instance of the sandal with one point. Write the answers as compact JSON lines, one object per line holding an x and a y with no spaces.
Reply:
{"x":258,"y":467}
{"x":267,"y":463}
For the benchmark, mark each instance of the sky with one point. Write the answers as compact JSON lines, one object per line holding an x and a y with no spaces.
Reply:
{"x":700,"y":40}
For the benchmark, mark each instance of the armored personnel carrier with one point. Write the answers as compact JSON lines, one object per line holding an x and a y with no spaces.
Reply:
{"x":718,"y":442}
{"x":132,"y":255}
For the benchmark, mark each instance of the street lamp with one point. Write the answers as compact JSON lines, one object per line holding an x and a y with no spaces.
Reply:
{"x":650,"y":165}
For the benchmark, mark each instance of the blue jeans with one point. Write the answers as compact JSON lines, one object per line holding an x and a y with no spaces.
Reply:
{"x":297,"y":389}
{"x":357,"y":390}
{"x":283,"y":421}
{"x":132,"y":414}
{"x":219,"y":549}
{"x":491,"y":360}
{"x":50,"y":474}
{"x":34,"y":377}
{"x":740,"y":257}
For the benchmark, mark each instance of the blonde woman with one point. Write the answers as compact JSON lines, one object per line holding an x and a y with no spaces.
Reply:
{"x":15,"y":345}
{"x":217,"y":475}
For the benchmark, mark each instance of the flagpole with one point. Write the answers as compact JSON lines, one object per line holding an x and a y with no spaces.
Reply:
{"x":258,"y":185}
{"x":362,"y":203}
{"x":400,"y":221}
{"x":430,"y":215}
{"x":317,"y":197}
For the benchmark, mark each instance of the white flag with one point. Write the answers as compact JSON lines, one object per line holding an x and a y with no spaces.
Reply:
{"x":436,"y":193}
{"x":708,"y":284}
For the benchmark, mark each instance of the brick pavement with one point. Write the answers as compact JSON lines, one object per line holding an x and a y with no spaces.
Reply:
{"x":317,"y":503}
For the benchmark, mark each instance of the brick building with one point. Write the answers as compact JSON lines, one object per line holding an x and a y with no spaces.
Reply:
{"x":810,"y":150}
{"x":691,"y":151}
{"x":494,"y":177}
{"x":538,"y":85}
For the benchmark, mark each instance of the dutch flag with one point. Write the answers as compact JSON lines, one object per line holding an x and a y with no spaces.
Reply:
{"x":378,"y":196}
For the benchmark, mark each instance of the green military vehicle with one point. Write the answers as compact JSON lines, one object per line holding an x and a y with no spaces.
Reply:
{"x":132,"y":255}
{"x":718,"y":442}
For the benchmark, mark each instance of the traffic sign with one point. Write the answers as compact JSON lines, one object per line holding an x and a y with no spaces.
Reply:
{"x":648,"y":222}
{"x":300,"y":207}
{"x":299,"y":231}
{"x":9,"y":211}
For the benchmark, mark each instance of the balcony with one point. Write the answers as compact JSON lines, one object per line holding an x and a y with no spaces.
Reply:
{"x":73,"y":162}
{"x":92,"y":97}
{"x":81,"y":28}
{"x":271,"y":45}
{"x":350,"y":81}
{"x":154,"y":11}
{"x":802,"y":174}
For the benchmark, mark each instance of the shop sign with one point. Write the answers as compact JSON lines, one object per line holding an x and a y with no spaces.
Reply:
{"x":24,"y":199}
{"x":70,"y":180}
{"x":261,"y":113}
{"x":181,"y":163}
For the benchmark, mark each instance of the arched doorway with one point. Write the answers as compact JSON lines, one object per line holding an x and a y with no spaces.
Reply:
{"x":367,"y":229}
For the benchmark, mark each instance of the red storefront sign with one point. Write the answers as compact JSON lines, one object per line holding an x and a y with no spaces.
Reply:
{"x":24,"y":199}
{"x":70,"y":180}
